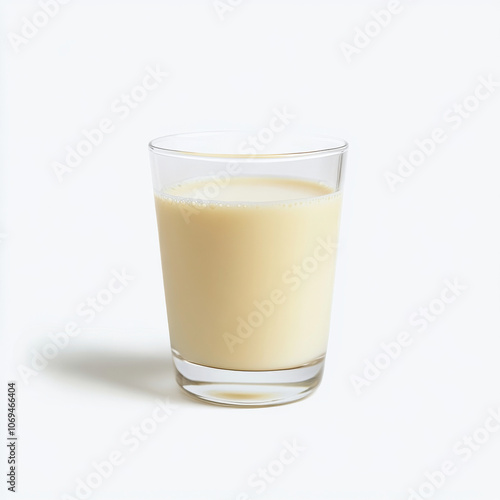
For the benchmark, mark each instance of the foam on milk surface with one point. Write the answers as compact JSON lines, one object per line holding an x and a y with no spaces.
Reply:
{"x":248,"y":190}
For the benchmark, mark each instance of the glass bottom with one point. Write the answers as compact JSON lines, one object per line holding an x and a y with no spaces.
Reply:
{"x":248,"y":388}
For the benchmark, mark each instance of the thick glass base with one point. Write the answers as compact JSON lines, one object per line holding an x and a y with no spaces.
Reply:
{"x":248,"y":388}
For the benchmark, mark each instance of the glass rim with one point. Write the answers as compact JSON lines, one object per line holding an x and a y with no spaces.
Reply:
{"x":154,"y":146}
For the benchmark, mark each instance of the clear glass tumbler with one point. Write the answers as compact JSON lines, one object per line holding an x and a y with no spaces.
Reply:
{"x":248,"y":237}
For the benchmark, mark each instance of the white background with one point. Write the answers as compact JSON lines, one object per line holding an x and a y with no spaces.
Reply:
{"x":61,"y":241}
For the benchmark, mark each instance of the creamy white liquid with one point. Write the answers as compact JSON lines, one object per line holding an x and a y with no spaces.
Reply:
{"x":248,"y":272}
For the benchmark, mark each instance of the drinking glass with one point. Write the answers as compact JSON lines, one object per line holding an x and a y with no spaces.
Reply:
{"x":248,"y":234}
